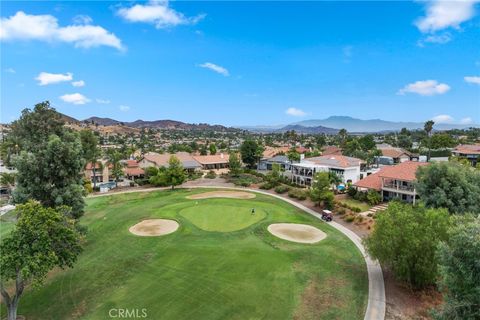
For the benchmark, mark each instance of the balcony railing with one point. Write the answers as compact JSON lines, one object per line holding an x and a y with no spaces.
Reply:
{"x":399,"y":187}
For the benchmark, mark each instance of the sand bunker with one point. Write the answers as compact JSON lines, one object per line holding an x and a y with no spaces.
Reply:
{"x":222,"y":194}
{"x":154,"y":227}
{"x":301,"y":233}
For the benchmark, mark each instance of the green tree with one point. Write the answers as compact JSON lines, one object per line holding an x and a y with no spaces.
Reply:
{"x":428,"y":127}
{"x":274,"y":177}
{"x":114,"y":159}
{"x":442,"y":141}
{"x":293,"y":155}
{"x":320,"y":190}
{"x":459,"y":260}
{"x":7,"y":179}
{"x":234,"y":164}
{"x":203,"y":150}
{"x":175,"y":174}
{"x":52,"y":175}
{"x":42,"y":239}
{"x":251,"y":152}
{"x":335,"y":179}
{"x":367,"y":142}
{"x":449,"y":185}
{"x":50,"y":164}
{"x":90,"y":151}
{"x":405,"y":240}
{"x":212,"y":148}
{"x":373,"y":197}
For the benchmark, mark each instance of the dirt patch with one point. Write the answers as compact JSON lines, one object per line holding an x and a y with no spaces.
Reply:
{"x":295,"y":232}
{"x":154,"y":227}
{"x":316,"y":302}
{"x":222,"y":194}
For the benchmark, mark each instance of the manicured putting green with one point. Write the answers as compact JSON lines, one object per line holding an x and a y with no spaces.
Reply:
{"x":222,"y":218}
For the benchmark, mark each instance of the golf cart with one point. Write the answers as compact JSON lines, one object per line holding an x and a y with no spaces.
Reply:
{"x":327,"y":215}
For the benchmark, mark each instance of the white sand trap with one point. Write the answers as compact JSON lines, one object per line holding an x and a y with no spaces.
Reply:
{"x":295,"y":232}
{"x":222,"y":194}
{"x":154,"y":227}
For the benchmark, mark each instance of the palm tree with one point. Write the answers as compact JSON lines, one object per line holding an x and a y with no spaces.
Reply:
{"x":334,"y":179}
{"x":114,"y":158}
{"x":428,"y":127}
{"x":8,"y":180}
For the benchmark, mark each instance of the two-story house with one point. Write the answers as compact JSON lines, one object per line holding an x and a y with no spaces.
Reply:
{"x":471,"y":152}
{"x":394,"y":182}
{"x":347,"y":168}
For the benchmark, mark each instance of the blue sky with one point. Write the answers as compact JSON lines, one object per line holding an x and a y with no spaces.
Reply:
{"x":243,"y":63}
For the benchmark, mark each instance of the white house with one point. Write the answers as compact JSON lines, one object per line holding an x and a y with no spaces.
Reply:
{"x":347,"y":168}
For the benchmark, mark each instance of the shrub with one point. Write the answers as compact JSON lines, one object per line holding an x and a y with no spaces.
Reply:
{"x":211,"y":175}
{"x":352,"y":192}
{"x":297,"y":194}
{"x":266,"y":186}
{"x":141,"y":181}
{"x":349,"y":218}
{"x":355,"y":209}
{"x":373,"y":197}
{"x":132,"y":184}
{"x":282,"y":189}
{"x":341,"y":211}
{"x":359,"y":219}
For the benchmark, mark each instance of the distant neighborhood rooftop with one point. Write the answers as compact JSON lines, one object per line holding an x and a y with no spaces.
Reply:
{"x":334,"y":160}
{"x":468,"y":149}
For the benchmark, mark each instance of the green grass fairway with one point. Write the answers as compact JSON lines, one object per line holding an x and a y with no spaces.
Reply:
{"x":222,"y":218}
{"x":198,"y":274}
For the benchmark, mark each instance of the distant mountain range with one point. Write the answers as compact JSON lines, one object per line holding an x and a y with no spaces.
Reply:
{"x":330,"y":125}
{"x":352,"y":125}
{"x":158,"y":124}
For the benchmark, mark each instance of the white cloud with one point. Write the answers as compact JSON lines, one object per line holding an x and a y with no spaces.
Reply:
{"x":216,"y":68}
{"x":443,"y":118}
{"x":295,"y":112}
{"x":45,"y":78}
{"x":10,"y":70}
{"x":82,"y":19}
{"x":102,"y":101}
{"x":467,"y":120}
{"x":436,"y":38}
{"x":472,"y":79}
{"x":22,"y":26}
{"x":75,"y":98}
{"x":79,"y":83}
{"x":443,"y":14}
{"x":124,"y":108}
{"x":425,"y":88}
{"x":157,"y":13}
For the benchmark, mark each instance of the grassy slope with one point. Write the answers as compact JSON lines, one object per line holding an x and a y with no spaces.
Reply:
{"x":355,"y":203}
{"x":195,"y":274}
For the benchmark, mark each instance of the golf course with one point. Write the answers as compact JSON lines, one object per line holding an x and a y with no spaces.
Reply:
{"x":218,"y":260}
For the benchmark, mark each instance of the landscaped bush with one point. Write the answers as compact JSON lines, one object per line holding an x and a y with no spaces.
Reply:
{"x":360,"y":196}
{"x":244,"y":180}
{"x":355,"y":209}
{"x":266,"y":186}
{"x":195,"y":175}
{"x":297,"y":194}
{"x":373,"y":197}
{"x":349,"y":218}
{"x":282,"y":189}
{"x":341,"y":211}
{"x":351,"y":192}
{"x":211,"y":175}
{"x":359,"y":219}
{"x":141,"y":181}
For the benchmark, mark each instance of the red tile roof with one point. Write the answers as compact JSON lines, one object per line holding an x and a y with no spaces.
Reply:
{"x":373,"y":181}
{"x":132,"y":163}
{"x":395,"y":152}
{"x":135,"y":171}
{"x":403,"y":171}
{"x":468,"y":149}
{"x":331,"y":150}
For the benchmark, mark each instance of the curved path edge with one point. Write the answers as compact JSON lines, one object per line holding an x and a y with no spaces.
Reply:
{"x":376,"y":287}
